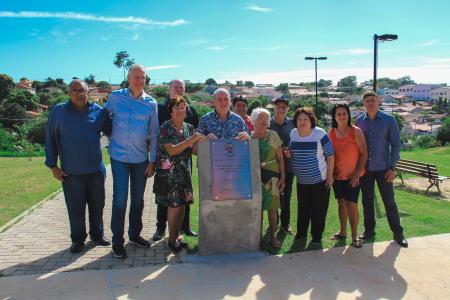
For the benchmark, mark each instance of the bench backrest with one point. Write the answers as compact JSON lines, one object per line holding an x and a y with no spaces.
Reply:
{"x":417,"y":168}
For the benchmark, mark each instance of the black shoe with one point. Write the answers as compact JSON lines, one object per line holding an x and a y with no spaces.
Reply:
{"x":119,"y":251}
{"x":76,"y":247}
{"x":367,"y":235}
{"x":140,"y":242}
{"x":287,"y":230}
{"x":102,"y":241}
{"x":159,"y":234}
{"x":183,"y":243}
{"x":400,"y":239}
{"x":316,"y":242}
{"x":300,"y":237}
{"x":175,"y":246}
{"x":189,"y":232}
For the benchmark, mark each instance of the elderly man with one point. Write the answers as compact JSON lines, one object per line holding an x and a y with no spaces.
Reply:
{"x":73,"y":135}
{"x":222,"y":123}
{"x":177,"y":88}
{"x":383,"y":144}
{"x":283,"y":125}
{"x":135,"y":131}
{"x":240,"y":107}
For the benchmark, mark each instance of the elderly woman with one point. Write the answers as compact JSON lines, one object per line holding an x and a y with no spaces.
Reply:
{"x":313,"y":162}
{"x":350,"y":158}
{"x":272,"y":167}
{"x":173,"y":186}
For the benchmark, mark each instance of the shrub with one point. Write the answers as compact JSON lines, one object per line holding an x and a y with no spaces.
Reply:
{"x":426,"y":141}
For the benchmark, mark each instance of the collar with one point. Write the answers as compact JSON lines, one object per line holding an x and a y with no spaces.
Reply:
{"x":217,"y":115}
{"x":282,"y":124}
{"x":142,"y":96}
{"x":377,"y":116}
{"x":88,"y":106}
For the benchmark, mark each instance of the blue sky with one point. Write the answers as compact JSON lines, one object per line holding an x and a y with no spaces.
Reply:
{"x":263,"y":41}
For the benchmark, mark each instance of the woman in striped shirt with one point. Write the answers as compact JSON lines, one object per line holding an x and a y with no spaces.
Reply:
{"x":313,"y":162}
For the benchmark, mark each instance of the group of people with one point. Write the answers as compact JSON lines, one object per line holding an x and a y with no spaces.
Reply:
{"x":149,"y":139}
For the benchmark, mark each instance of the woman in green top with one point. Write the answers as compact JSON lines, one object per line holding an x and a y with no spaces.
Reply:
{"x":272,"y":167}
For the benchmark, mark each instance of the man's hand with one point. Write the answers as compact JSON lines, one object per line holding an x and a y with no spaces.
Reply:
{"x":211,"y":136}
{"x":329,"y":181}
{"x":390,"y":175}
{"x":150,"y":170}
{"x":354,"y":181}
{"x":243,"y":136}
{"x":58,"y":173}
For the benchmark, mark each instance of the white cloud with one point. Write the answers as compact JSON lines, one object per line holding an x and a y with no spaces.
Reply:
{"x":163,"y":67}
{"x":428,"y":43}
{"x":421,"y":74}
{"x":259,"y":8}
{"x":89,"y":17}
{"x":217,"y":48}
{"x":261,"y":49}
{"x":354,"y":51}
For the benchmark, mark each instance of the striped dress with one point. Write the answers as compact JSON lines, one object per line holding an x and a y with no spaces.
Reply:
{"x":309,"y":155}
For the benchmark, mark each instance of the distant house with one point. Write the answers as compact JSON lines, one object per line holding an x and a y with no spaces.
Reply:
{"x":25,"y":85}
{"x":418,"y":91}
{"x":440,"y":93}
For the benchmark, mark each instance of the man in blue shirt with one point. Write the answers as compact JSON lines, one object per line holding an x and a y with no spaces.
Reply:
{"x":222,"y":123}
{"x":73,"y":135}
{"x":132,"y":149}
{"x":176,"y":88}
{"x":383,"y":145}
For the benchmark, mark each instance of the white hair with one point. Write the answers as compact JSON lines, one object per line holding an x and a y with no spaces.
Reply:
{"x":82,"y":82}
{"x":221,"y":90}
{"x":135,"y":67}
{"x":176,"y":80}
{"x":256,"y":112}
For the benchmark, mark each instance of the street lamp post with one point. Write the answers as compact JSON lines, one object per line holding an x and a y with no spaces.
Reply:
{"x":376,"y":38}
{"x":315,"y":63}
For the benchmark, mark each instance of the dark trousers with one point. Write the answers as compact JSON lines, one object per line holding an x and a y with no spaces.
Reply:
{"x":161,"y":218}
{"x":80,"y":190}
{"x":313,"y":200}
{"x":125,"y":174}
{"x":387,"y":194}
{"x":285,"y":200}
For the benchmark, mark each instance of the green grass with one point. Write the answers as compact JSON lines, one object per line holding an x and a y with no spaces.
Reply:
{"x":25,"y":182}
{"x":420,"y":215}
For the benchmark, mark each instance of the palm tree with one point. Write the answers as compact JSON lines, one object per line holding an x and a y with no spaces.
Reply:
{"x":123,"y":61}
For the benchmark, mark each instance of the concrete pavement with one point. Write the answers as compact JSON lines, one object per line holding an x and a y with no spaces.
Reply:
{"x":376,"y":271}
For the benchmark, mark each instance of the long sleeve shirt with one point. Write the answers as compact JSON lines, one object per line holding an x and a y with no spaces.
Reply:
{"x":383,"y":140}
{"x":74,"y":137}
{"x":135,"y":127}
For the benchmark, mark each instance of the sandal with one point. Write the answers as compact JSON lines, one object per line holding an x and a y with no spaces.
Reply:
{"x":357,"y":243}
{"x":175,"y":246}
{"x":338,"y":236}
{"x":182,"y":243}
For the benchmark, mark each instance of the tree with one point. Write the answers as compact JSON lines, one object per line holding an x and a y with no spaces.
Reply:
{"x":25,"y":99}
{"x":239,"y":83}
{"x":324,"y":83}
{"x":123,"y":61}
{"x":104,"y":85}
{"x":6,"y":86}
{"x":12,"y":114}
{"x":90,"y":79}
{"x":37,"y":85}
{"x":443,"y":134}
{"x":193,"y":87}
{"x":404,"y":81}
{"x":349,"y":82}
{"x":400,"y":121}
{"x":249,"y":84}
{"x":161,"y":91}
{"x":283,"y":88}
{"x":210,"y":81}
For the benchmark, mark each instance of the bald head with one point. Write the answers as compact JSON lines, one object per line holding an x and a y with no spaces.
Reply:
{"x":176,"y":88}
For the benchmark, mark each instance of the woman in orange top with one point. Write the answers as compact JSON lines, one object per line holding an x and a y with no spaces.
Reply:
{"x":350,"y":152}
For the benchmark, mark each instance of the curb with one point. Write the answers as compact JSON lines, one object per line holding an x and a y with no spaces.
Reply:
{"x":28,"y":211}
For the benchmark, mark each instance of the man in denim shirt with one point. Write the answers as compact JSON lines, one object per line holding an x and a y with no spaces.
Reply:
{"x":73,"y":135}
{"x":383,"y":145}
{"x":135,"y":131}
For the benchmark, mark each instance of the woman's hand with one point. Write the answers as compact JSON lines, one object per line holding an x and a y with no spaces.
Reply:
{"x":329,"y":181}
{"x":354,"y":181}
{"x":281,"y":184}
{"x":211,"y":136}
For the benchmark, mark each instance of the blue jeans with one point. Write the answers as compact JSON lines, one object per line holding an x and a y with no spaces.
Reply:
{"x":387,"y":194}
{"x":80,"y":190}
{"x":123,"y":173}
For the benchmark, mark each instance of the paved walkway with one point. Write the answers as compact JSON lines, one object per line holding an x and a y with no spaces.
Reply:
{"x":376,"y":271}
{"x":39,"y":242}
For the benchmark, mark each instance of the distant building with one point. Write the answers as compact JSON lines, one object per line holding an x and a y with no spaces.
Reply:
{"x":419,"y":91}
{"x":440,"y":93}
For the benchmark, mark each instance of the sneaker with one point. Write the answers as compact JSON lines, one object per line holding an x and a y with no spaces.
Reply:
{"x":102,"y":241}
{"x":140,"y":242}
{"x":119,"y":251}
{"x":159,"y":234}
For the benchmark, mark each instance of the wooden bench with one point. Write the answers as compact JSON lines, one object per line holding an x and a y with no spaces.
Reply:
{"x":420,"y":169}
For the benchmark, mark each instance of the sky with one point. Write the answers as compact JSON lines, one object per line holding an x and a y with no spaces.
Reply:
{"x":262,"y":41}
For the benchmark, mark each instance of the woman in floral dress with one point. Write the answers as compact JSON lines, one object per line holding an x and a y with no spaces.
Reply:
{"x":173,"y":186}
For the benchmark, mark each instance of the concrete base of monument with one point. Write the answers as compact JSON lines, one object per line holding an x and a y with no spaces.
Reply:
{"x":228,"y":226}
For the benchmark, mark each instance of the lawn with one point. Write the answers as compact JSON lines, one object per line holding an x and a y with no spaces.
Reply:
{"x":420,"y":215}
{"x":23,"y":183}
